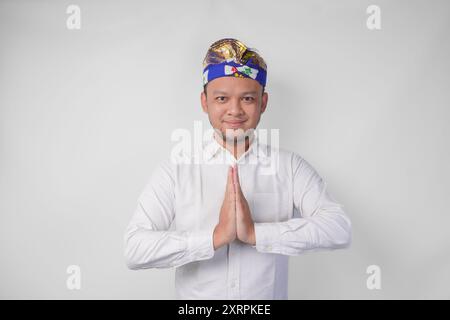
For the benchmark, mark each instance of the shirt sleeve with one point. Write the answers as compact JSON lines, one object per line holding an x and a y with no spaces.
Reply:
{"x":322,"y":223}
{"x":148,"y":241}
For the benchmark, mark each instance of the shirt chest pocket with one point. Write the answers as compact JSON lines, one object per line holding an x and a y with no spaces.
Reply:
{"x":269,"y":207}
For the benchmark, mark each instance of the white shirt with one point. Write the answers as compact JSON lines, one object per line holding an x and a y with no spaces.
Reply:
{"x":292,"y":210}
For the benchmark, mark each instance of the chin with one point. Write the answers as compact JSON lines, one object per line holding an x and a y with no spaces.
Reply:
{"x":237,"y":135}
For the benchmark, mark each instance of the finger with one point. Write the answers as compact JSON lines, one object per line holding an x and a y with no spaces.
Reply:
{"x":232,"y":181}
{"x":236,"y":182}
{"x":230,"y":185}
{"x":229,"y":178}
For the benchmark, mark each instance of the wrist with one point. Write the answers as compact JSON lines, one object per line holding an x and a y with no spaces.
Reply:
{"x":251,"y":235}
{"x":254,"y":237}
{"x":218,"y":240}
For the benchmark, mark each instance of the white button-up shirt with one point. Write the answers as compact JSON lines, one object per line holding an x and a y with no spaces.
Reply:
{"x":291,"y":208}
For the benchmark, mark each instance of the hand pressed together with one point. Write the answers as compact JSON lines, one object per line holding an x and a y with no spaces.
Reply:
{"x":235,"y":220}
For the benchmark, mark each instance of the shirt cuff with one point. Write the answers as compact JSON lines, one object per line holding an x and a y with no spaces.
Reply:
{"x":267,"y":237}
{"x":201,"y":244}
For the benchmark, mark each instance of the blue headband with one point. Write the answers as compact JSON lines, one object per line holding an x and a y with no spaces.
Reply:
{"x":232,"y":68}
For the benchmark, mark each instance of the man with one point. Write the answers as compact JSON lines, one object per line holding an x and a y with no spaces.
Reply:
{"x":237,"y":219}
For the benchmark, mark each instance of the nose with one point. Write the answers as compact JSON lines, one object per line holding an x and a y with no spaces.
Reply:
{"x":235,"y":108}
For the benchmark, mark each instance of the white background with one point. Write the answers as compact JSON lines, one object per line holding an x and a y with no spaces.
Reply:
{"x":86,"y":115}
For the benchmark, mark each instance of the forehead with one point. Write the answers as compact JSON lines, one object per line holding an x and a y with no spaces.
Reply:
{"x":233,"y":85}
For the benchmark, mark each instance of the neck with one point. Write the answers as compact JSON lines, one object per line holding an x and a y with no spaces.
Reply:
{"x":236,"y":147}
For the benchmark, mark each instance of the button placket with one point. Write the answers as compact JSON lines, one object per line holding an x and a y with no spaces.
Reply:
{"x":233,"y":271}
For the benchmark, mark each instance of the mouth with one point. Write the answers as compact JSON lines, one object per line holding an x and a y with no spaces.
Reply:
{"x":234,"y":123}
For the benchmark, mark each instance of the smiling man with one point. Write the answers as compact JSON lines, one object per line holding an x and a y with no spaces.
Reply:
{"x":235,"y":221}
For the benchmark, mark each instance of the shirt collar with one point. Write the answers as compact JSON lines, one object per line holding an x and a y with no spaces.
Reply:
{"x":212,"y":148}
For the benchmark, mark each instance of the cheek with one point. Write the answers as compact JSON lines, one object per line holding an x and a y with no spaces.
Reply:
{"x":216,"y":114}
{"x":253,"y":113}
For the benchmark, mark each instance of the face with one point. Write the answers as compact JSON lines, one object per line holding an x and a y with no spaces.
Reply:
{"x":234,"y":105}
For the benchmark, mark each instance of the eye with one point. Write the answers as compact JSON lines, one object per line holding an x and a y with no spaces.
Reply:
{"x":249,"y":99}
{"x":220,"y":99}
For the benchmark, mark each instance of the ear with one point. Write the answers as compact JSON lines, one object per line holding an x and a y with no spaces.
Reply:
{"x":203,"y":102}
{"x":264,"y":99}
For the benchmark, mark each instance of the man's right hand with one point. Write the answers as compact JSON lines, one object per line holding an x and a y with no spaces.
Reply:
{"x":225,"y":231}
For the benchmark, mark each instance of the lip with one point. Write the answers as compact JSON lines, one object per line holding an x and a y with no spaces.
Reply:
{"x":235,"y":123}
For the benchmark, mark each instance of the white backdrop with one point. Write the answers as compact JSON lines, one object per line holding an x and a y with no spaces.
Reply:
{"x":86,"y":115}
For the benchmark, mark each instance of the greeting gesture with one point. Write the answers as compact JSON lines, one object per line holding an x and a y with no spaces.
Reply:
{"x":225,"y":231}
{"x":235,"y":220}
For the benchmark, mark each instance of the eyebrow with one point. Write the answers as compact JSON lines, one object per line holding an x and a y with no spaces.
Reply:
{"x":218,"y":92}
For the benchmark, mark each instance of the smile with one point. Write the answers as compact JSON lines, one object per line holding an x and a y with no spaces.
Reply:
{"x":234,"y":124}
